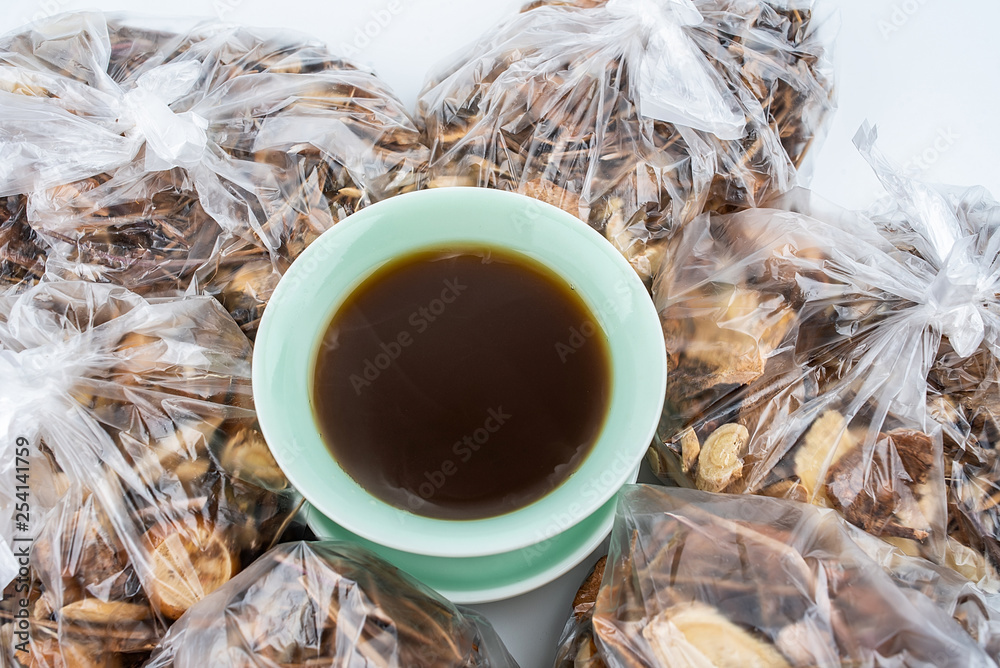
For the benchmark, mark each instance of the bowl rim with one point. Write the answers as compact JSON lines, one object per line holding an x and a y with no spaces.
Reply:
{"x":535,"y":575}
{"x":537,"y":224}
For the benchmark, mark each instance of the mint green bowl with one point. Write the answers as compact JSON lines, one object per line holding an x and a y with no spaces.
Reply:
{"x":319,"y":281}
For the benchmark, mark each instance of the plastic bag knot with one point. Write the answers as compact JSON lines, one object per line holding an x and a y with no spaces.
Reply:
{"x":962,"y":279}
{"x":172,"y":139}
{"x":676,"y":84}
{"x":955,"y":300}
{"x":682,"y":12}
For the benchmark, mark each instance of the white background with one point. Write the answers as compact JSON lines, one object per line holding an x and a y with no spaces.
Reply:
{"x":925,"y":71}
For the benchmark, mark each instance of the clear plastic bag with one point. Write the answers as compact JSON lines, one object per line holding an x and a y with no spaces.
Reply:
{"x":800,"y":352}
{"x":328,"y":603}
{"x":701,"y":579}
{"x":953,"y":235}
{"x":634,"y":115}
{"x":975,"y":608}
{"x":132,"y":423}
{"x":201,"y":160}
{"x":791,"y":347}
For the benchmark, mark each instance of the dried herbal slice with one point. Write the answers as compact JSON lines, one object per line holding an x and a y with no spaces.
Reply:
{"x":113,"y":626}
{"x":823,"y":445}
{"x":721,"y":459}
{"x":696,"y":635}
{"x":47,"y":652}
{"x":872,"y":488}
{"x":104,"y":613}
{"x":537,"y":108}
{"x":327,"y":603}
{"x":247,"y":456}
{"x":188,"y":561}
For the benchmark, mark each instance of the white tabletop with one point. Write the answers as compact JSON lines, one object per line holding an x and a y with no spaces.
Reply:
{"x":925,"y":71}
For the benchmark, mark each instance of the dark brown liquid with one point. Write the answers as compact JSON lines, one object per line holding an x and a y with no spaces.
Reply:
{"x":462,"y":384}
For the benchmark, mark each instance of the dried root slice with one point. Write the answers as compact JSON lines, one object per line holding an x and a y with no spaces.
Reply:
{"x":721,"y":356}
{"x":82,"y":553}
{"x":825,"y":443}
{"x":632,"y":240}
{"x":103,"y":613}
{"x":111,"y":626}
{"x":971,"y":564}
{"x":587,"y":654}
{"x":586,"y":595}
{"x":696,"y":635}
{"x":943,"y":409}
{"x":720,"y":461}
{"x":49,"y":485}
{"x":188,"y":441}
{"x":870,"y":491}
{"x":188,"y":563}
{"x":139,"y":353}
{"x":64,"y":653}
{"x":189,"y":471}
{"x":453,"y":180}
{"x":247,"y":291}
{"x":916,"y":450}
{"x":553,"y":194}
{"x":247,"y":457}
{"x":787,"y":489}
{"x":807,"y":643}
{"x":86,"y":547}
{"x":766,"y":318}
{"x":690,"y":449}
{"x":662,"y":463}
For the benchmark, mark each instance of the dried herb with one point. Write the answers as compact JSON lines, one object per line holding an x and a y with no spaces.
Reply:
{"x":548,"y":105}
{"x":165,"y":489}
{"x":857,"y":350}
{"x":310,"y":604}
{"x":700,"y":579}
{"x":296,"y":140}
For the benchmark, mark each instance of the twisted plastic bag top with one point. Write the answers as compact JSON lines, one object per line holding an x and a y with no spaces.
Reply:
{"x":676,"y":84}
{"x":150,"y":482}
{"x":699,"y":579}
{"x":203,"y":160}
{"x":634,"y":115}
{"x":328,"y":603}
{"x":962,"y":253}
{"x":801,"y":351}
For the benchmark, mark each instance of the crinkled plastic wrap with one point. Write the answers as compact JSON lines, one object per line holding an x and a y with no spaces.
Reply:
{"x":975,"y":608}
{"x":328,"y":604}
{"x":634,"y":115}
{"x":800,"y":351}
{"x":203,"y":160}
{"x":953,"y":234}
{"x":132,"y":423}
{"x":695,"y":579}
